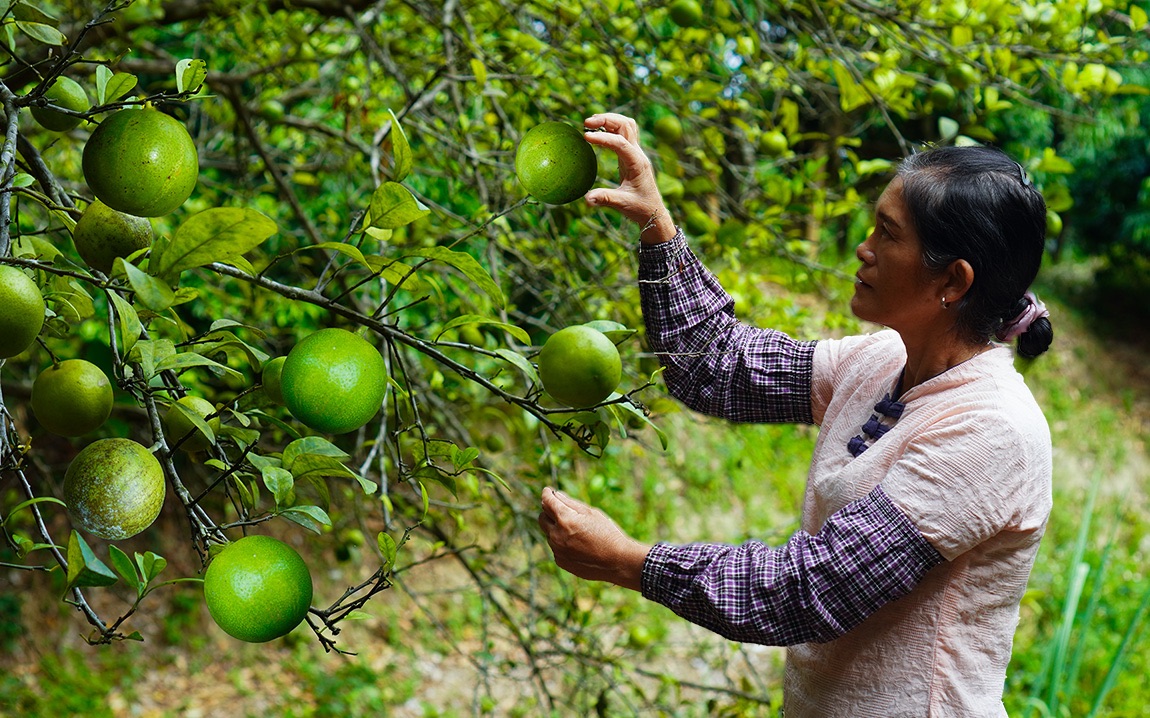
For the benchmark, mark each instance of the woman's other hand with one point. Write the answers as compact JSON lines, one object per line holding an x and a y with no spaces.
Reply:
{"x":587,"y":543}
{"x":637,"y":195}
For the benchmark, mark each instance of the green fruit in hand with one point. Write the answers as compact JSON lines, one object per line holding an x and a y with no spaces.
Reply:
{"x":773,"y":143}
{"x":67,"y":93}
{"x":103,"y":234}
{"x":72,"y":398}
{"x":21,"y":311}
{"x":272,"y":377}
{"x":114,"y":489}
{"x":579,"y":366}
{"x":686,"y":13}
{"x":141,"y":162}
{"x":257,"y":589}
{"x":1053,"y":223}
{"x":668,"y":129}
{"x":555,"y":163}
{"x":177,"y":424}
{"x":333,"y":381}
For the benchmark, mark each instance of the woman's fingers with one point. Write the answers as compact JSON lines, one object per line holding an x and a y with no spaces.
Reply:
{"x":614,"y":123}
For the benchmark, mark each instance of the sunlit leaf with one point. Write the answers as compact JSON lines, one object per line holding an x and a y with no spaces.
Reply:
{"x":214,"y":235}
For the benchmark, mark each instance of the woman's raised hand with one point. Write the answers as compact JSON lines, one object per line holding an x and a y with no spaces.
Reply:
{"x":587,"y":543}
{"x":637,"y":195}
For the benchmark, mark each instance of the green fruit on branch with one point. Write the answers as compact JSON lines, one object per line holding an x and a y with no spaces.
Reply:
{"x":333,"y":381}
{"x":579,"y":366}
{"x":67,"y":93}
{"x":72,"y":398}
{"x":141,"y":162}
{"x":257,"y":589}
{"x":103,"y":234}
{"x":177,"y":425}
{"x":21,"y":311}
{"x":114,"y":489}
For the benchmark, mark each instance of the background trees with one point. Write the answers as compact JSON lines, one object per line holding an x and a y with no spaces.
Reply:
{"x":365,"y":153}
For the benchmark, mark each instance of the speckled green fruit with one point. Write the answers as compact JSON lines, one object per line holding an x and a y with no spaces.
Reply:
{"x":21,"y":311}
{"x":177,"y":424}
{"x":257,"y":589}
{"x":68,"y":94}
{"x":72,"y":398}
{"x":103,"y":234}
{"x":114,"y":489}
{"x":272,"y":379}
{"x":141,"y":162}
{"x":333,"y":381}
{"x":579,"y":366}
{"x":555,"y":163}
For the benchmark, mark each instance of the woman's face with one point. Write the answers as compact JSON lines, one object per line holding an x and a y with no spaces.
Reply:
{"x":892,"y":287}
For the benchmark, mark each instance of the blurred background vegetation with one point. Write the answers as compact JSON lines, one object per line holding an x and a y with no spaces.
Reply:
{"x":790,"y":116}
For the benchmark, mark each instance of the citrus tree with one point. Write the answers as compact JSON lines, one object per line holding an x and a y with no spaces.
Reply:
{"x":317,"y":250}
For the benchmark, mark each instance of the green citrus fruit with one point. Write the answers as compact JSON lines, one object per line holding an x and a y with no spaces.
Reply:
{"x":333,"y":381}
{"x":177,"y":424}
{"x":103,"y":234}
{"x":555,"y":163}
{"x":942,"y":95}
{"x":668,"y":129}
{"x":686,"y":13}
{"x":67,"y":93}
{"x":272,"y":376}
{"x":257,"y":589}
{"x":773,"y":143}
{"x":579,"y":366}
{"x":114,"y":488}
{"x":1053,"y":223}
{"x":696,"y":220}
{"x":21,"y":311}
{"x":141,"y":162}
{"x":72,"y":398}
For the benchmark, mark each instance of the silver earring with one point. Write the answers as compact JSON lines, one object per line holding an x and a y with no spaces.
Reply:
{"x":944,"y":304}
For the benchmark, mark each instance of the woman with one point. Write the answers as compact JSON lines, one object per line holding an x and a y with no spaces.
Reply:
{"x":929,"y":487}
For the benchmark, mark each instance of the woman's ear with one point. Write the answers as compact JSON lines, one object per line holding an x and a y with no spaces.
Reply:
{"x":958,"y":278}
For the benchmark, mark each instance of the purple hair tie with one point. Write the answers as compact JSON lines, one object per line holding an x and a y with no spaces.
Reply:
{"x":1034,"y":310}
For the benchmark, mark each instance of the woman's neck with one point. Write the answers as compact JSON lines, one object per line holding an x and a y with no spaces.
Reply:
{"x":928,"y":358}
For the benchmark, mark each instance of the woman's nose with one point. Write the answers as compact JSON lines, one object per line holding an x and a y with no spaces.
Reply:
{"x":864,"y":253}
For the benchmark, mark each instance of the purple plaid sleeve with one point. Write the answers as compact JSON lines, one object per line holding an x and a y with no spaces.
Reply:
{"x":813,"y":589}
{"x":715,"y":364}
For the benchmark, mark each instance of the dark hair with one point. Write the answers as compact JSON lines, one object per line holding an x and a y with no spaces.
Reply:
{"x":976,"y":203}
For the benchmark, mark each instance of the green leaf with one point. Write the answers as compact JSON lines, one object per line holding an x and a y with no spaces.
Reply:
{"x":23,"y":10}
{"x":634,"y":411}
{"x":124,"y":567}
{"x":153,"y":293}
{"x":186,"y":360}
{"x":392,"y":206}
{"x":436,"y":474}
{"x":111,"y":87}
{"x":520,"y":361}
{"x":30,"y":502}
{"x":347,"y":250}
{"x":129,"y":321}
{"x":40,"y":32}
{"x":190,"y":74}
{"x":279,"y":481}
{"x":316,"y":445}
{"x":246,"y":498}
{"x":23,"y":179}
{"x":388,"y":548}
{"x":84,"y":569}
{"x":467,"y":264}
{"x":463,"y":458}
{"x":220,"y":234}
{"x":400,"y":150}
{"x":134,"y":636}
{"x":468,"y":319}
{"x":480,"y":71}
{"x":151,"y":565}
{"x":312,"y":518}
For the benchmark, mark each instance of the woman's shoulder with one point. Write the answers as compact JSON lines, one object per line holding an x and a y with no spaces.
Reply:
{"x":883,"y":346}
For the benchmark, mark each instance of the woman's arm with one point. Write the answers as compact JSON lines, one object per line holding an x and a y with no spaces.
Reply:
{"x":812,"y":589}
{"x":714,"y":364}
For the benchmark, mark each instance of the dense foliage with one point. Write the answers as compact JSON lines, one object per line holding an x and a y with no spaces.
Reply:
{"x":357,"y":171}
